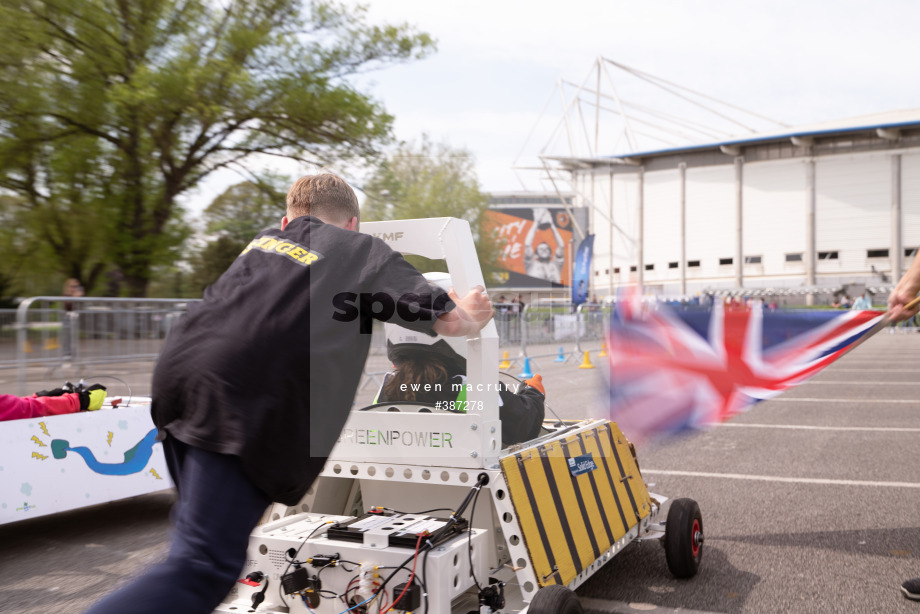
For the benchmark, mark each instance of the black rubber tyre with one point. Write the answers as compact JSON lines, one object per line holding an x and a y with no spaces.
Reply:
{"x":683,"y":538}
{"x":555,"y":599}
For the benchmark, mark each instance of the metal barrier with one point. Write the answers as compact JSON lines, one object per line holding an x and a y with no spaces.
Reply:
{"x":70,"y":334}
{"x":50,"y":339}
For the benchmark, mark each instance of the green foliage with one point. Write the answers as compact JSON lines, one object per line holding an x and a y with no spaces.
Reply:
{"x":247,"y":208}
{"x":234,"y":218}
{"x":111,"y":111}
{"x":213,"y":260}
{"x":7,"y":292}
{"x":25,"y":263}
{"x":431,"y":180}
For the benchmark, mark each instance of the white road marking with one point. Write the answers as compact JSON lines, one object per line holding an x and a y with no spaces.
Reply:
{"x":774,"y":478}
{"x":810,"y":400}
{"x":621,"y":607}
{"x":885,"y":429}
{"x":870,"y":370}
{"x":846,"y":383}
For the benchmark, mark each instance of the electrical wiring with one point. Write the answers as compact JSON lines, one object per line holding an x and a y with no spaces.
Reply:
{"x":469,"y":550}
{"x":411,"y":575}
{"x":425,"y":575}
{"x":437,"y":509}
{"x":294,"y":558}
{"x":365,"y":591}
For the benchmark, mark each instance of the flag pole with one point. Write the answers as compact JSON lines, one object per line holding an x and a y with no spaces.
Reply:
{"x":885,"y":321}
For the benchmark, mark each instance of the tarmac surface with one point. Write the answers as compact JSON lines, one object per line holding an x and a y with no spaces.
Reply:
{"x":810,"y":504}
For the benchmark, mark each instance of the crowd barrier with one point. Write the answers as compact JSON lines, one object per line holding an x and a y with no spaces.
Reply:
{"x":51,"y":339}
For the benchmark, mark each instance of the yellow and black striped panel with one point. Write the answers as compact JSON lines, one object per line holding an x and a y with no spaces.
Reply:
{"x":568,"y":520}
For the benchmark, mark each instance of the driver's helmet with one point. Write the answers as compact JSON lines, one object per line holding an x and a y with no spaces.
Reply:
{"x":402,"y":342}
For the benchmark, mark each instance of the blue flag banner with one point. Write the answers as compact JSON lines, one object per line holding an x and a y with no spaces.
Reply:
{"x":582,"y":273}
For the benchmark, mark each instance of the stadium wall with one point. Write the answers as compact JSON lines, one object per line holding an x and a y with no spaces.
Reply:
{"x":674,"y":223}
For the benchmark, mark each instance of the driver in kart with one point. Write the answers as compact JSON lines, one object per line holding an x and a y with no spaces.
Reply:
{"x":441,"y":362}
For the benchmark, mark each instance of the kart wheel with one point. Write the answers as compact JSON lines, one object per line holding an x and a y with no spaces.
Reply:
{"x":555,"y":599}
{"x":683,"y":538}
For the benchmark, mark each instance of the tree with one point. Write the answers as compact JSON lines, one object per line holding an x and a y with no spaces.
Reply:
{"x":233,"y":219}
{"x":249,"y":207}
{"x":25,"y":266}
{"x":111,"y":110}
{"x":431,"y":180}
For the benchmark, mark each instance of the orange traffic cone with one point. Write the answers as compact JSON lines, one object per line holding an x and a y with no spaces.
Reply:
{"x":586,"y":362}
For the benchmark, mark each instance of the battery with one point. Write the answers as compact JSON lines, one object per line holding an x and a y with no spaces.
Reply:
{"x":399,"y":530}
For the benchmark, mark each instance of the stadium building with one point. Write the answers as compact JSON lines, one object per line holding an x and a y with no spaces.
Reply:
{"x":816,"y":210}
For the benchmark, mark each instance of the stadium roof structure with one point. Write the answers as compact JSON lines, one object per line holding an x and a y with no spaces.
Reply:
{"x":604,"y":125}
{"x":888,"y":126}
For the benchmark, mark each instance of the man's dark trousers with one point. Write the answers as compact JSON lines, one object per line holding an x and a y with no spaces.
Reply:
{"x":217,"y":509}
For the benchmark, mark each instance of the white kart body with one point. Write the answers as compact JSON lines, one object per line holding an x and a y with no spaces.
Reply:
{"x":554,"y":509}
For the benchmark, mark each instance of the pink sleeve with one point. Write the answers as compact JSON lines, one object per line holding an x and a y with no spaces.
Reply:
{"x":17,"y":408}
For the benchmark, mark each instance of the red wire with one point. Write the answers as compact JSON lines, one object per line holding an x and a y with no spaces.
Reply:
{"x":411,"y":576}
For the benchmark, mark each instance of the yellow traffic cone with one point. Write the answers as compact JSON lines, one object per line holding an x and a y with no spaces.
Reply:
{"x":603,"y":351}
{"x":586,"y":362}
{"x":26,"y":347}
{"x":506,"y":362}
{"x":51,"y":343}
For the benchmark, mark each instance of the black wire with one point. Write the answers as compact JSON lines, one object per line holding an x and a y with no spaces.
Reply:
{"x":117,"y":379}
{"x":425,"y":572}
{"x":469,"y":549}
{"x":483,"y":478}
{"x":349,"y":562}
{"x":437,"y":509}
{"x":404,"y":563}
{"x":294,"y":558}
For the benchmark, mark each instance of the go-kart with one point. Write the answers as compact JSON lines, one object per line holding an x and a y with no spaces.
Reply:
{"x":395,"y":522}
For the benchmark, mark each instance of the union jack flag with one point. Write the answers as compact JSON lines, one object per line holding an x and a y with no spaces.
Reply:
{"x":673,"y":370}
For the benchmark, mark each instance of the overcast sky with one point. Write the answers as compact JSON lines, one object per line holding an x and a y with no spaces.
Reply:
{"x":487,"y":88}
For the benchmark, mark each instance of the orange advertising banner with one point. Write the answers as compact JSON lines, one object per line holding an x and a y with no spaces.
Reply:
{"x":536,"y":246}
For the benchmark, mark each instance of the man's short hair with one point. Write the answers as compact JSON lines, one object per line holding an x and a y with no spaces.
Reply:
{"x":326,"y":196}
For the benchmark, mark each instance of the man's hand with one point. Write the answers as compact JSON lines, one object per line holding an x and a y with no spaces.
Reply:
{"x":471,"y":314}
{"x":905,"y":292}
{"x":897,"y":303}
{"x":92,"y":398}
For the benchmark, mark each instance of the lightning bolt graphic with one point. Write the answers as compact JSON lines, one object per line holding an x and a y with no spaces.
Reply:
{"x":109,"y":438}
{"x":44,"y":429}
{"x":154,"y":473}
{"x":38,"y":456}
{"x":40,"y":443}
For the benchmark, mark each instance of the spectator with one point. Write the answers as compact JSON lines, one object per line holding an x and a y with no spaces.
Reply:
{"x":72,"y":288}
{"x":904,"y":292}
{"x":51,"y":403}
{"x":520,"y":300}
{"x":862,"y":301}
